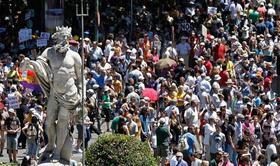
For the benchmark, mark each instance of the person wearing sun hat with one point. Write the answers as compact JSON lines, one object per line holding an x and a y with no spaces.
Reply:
{"x":12,"y":124}
{"x":162,"y":134}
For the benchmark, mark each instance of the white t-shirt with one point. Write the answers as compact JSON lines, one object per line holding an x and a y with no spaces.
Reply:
{"x":234,"y":9}
{"x":191,"y":116}
{"x":196,"y":162}
{"x":216,"y":100}
{"x":203,"y":99}
{"x":174,"y":162}
{"x":208,"y":130}
{"x":96,"y":53}
{"x":273,"y":164}
{"x":270,"y":149}
{"x":107,"y":66}
{"x":154,"y":141}
{"x":271,"y":12}
{"x":171,"y":108}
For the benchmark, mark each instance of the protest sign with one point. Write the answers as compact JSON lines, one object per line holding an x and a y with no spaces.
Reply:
{"x":42,"y":42}
{"x":204,"y":31}
{"x":13,"y":101}
{"x":45,"y":35}
{"x":212,"y":10}
{"x":24,"y":35}
{"x":2,"y":30}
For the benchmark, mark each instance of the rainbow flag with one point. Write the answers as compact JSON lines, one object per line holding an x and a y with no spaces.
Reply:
{"x":28,"y":80}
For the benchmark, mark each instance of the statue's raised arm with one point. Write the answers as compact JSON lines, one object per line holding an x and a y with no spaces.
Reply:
{"x":41,"y":68}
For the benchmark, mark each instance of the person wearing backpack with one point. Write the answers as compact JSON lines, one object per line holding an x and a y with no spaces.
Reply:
{"x":32,"y":131}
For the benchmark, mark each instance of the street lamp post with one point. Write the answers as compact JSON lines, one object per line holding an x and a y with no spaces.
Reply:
{"x":82,"y":15}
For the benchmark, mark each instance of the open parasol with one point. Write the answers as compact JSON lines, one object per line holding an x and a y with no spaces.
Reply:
{"x":151,"y":93}
{"x":165,"y":63}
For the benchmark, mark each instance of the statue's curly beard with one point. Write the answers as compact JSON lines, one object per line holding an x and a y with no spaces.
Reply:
{"x":61,"y":47}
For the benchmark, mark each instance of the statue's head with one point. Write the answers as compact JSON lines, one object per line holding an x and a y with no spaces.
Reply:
{"x":61,"y":38}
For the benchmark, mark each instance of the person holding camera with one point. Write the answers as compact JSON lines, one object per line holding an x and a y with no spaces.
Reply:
{"x":32,"y":130}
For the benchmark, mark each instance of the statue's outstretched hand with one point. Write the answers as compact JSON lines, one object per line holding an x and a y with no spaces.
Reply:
{"x":25,"y":64}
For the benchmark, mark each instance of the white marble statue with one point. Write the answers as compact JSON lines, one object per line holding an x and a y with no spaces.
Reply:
{"x":58,"y":71}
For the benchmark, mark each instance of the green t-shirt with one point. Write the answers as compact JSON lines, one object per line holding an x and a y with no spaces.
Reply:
{"x":106,"y":100}
{"x":115,"y":123}
{"x":213,"y":163}
{"x":254,"y":16}
{"x":162,"y":136}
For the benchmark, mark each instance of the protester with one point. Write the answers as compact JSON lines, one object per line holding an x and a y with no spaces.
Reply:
{"x":13,"y":128}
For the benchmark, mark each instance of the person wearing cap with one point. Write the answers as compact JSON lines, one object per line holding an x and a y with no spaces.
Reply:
{"x":12,"y":124}
{"x":163,"y":136}
{"x":106,"y":106}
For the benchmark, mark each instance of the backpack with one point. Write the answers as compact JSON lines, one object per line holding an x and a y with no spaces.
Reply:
{"x":32,"y":131}
{"x":183,"y":143}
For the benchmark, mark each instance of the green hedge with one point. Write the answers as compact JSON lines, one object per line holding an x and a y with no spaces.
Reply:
{"x":118,"y":150}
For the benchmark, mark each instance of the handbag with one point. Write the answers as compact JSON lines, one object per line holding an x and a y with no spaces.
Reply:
{"x":143,"y":137}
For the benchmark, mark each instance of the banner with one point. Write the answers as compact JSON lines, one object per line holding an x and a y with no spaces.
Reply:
{"x":24,"y":35}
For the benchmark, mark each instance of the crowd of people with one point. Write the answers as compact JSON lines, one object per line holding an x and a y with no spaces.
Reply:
{"x":209,"y":97}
